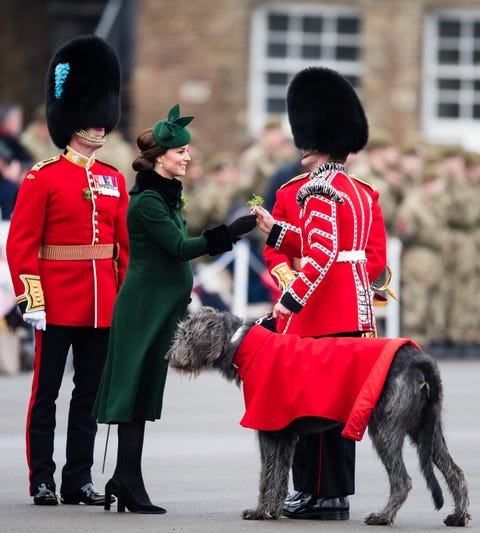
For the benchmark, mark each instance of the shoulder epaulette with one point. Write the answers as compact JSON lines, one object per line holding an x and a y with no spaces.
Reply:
{"x":107,"y":165}
{"x":296,"y":178}
{"x":363,"y":182}
{"x":46,"y":162}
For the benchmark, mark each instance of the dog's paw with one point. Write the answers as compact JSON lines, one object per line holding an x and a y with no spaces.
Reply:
{"x":257,"y":514}
{"x":378,"y":519}
{"x":457,"y":520}
{"x":251,"y":514}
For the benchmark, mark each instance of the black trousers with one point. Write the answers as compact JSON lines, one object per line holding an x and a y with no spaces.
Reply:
{"x":89,"y":348}
{"x":324,"y":464}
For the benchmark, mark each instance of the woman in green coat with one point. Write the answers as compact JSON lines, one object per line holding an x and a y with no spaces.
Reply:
{"x":153,"y":297}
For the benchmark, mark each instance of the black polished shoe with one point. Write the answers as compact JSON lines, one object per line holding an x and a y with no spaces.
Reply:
{"x":87,"y":494}
{"x":308,"y":508}
{"x":295,"y":495}
{"x":44,"y":494}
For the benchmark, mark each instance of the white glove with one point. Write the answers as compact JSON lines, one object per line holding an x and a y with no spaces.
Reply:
{"x":37,"y":319}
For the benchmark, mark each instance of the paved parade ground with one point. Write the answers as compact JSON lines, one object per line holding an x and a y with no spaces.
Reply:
{"x":202,"y":466}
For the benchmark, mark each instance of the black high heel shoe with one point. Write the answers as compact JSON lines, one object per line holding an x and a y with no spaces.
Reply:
{"x":125,"y":499}
{"x":111,"y":489}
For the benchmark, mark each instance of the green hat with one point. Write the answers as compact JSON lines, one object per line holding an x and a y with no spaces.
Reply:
{"x":172,"y":132}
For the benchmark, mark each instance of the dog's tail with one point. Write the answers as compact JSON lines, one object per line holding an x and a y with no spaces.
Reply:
{"x":430,"y":435}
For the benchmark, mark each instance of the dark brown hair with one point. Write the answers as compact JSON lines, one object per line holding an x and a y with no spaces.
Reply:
{"x":149,"y":151}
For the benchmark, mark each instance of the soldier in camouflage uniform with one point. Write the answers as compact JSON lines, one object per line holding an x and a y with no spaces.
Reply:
{"x":421,"y":225}
{"x":473,"y":176}
{"x":380,"y":168}
{"x":461,"y":250}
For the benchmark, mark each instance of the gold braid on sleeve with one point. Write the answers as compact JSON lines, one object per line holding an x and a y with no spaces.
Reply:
{"x":284,"y":274}
{"x":33,"y":294}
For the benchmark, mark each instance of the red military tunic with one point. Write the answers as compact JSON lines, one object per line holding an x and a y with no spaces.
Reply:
{"x":341,"y":235}
{"x":69,"y":200}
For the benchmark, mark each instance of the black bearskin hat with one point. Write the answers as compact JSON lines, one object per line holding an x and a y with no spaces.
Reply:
{"x":325,"y":113}
{"x":82,"y":88}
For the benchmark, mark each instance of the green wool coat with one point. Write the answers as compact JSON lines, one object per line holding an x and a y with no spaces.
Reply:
{"x":154,"y":296}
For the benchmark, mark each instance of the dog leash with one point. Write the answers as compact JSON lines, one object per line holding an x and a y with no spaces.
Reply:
{"x":269,"y":316}
{"x":259,"y":322}
{"x":287,"y":325}
{"x":266,"y":316}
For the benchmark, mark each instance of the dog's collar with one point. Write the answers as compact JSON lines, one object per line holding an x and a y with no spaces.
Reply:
{"x":236,"y":337}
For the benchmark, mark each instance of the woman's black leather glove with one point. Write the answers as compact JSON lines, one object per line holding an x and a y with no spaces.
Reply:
{"x":221,"y":238}
{"x":240,"y":226}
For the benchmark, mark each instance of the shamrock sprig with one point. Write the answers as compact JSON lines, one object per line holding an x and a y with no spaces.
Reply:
{"x":255,"y":200}
{"x":183,"y":203}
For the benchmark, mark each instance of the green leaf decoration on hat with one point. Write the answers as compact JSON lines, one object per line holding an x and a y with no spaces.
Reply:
{"x":171,"y":132}
{"x":175,"y":118}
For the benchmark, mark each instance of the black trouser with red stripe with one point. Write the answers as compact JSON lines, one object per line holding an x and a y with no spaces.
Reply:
{"x":324,"y":464}
{"x":89,"y":348}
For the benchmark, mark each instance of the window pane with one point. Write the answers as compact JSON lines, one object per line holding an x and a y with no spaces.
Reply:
{"x":277,"y":50}
{"x":449,"y":84}
{"x":293,"y":36}
{"x":311,"y":51}
{"x":476,"y":29}
{"x":476,"y":111}
{"x":277,"y":78}
{"x":450,"y":110}
{"x":348,"y":25}
{"x":346,"y":53}
{"x":276,"y":105}
{"x":278,"y":22}
{"x":448,"y":57}
{"x":312,"y":24}
{"x":449,"y":28}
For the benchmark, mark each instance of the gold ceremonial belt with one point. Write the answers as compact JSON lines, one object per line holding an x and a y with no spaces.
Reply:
{"x":76,"y":252}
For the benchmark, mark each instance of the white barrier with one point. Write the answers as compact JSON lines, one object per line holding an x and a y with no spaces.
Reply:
{"x":9,"y":342}
{"x":240,"y":257}
{"x":7,"y":294}
{"x":388,"y":316}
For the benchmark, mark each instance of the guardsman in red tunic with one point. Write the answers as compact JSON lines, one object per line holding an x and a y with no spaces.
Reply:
{"x":67,"y":251}
{"x":284,"y":268}
{"x":332,"y":222}
{"x":340,"y":232}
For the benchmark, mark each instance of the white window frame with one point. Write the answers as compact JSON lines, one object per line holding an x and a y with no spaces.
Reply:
{"x":260,"y":63}
{"x":463,"y":131}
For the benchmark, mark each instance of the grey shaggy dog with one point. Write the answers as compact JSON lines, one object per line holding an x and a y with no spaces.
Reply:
{"x":410,"y":404}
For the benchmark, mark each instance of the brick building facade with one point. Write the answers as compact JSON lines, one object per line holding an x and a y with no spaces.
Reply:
{"x":228,"y":62}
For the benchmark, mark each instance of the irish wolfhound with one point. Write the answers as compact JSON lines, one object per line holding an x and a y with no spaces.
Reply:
{"x":409,"y":402}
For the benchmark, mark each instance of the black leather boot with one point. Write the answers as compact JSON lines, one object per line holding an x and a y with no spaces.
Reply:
{"x":127,"y":481}
{"x":306,"y":506}
{"x":45,"y":494}
{"x":87,"y":494}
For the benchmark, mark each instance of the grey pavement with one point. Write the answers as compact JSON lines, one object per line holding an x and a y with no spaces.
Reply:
{"x":202,"y":466}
